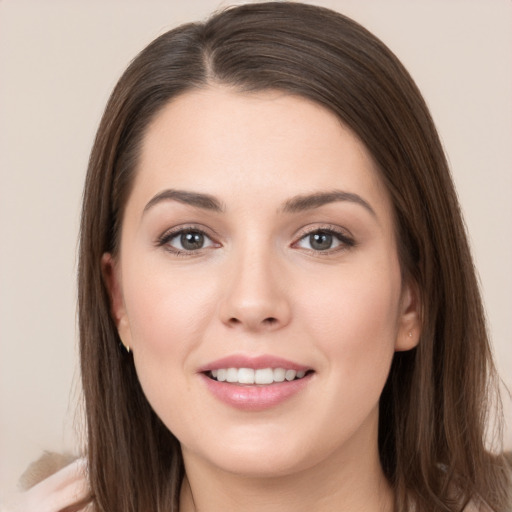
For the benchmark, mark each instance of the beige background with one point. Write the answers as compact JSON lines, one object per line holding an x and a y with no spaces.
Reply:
{"x":58,"y":63}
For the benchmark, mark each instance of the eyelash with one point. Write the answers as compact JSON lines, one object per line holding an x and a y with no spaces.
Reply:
{"x":346,"y":242}
{"x":163,"y":240}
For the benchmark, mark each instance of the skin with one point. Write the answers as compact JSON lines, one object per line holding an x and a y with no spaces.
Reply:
{"x":259,"y":286}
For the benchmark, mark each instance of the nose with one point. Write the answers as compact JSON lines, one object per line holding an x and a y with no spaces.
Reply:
{"x":255,"y":297}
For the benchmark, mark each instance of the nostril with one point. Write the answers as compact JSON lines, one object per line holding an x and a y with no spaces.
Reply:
{"x":269,"y":321}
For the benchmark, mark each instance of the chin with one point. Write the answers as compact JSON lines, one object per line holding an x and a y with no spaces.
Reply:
{"x":262,"y":465}
{"x":260,"y":455}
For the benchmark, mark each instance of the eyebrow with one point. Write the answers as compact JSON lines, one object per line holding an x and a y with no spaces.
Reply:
{"x":294,"y":205}
{"x":318,"y":199}
{"x":203,"y":201}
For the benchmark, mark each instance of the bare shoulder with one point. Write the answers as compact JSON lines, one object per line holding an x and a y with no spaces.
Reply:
{"x":53,"y":483}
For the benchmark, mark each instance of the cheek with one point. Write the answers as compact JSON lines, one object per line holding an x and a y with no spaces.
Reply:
{"x":354,"y":320}
{"x":167,"y":314}
{"x":354,"y":326}
{"x":167,"y":310}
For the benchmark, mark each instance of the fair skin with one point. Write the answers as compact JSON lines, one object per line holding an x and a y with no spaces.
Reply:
{"x":256,"y":270}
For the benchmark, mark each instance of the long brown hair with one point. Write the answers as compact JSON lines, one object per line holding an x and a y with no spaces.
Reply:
{"x":433,"y":410}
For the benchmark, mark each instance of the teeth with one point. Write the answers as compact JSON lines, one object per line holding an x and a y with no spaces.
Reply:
{"x":264,"y":376}
{"x":279,"y":374}
{"x":290,"y":374}
{"x":245,"y":375}
{"x":261,"y":376}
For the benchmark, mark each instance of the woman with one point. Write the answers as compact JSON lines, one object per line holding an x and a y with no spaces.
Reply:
{"x":278,"y":307}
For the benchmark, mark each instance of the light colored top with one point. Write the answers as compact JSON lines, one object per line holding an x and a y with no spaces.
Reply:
{"x":69,"y":485}
{"x":64,"y":488}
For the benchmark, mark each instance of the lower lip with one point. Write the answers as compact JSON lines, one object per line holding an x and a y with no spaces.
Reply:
{"x":254,"y":397}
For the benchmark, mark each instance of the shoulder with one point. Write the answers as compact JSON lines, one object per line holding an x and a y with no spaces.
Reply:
{"x":51,"y":484}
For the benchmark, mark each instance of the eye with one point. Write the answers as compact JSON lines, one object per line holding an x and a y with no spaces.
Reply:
{"x":186,"y":241}
{"x":323,"y":240}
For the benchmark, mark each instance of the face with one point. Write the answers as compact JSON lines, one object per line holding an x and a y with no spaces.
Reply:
{"x":258,"y":283}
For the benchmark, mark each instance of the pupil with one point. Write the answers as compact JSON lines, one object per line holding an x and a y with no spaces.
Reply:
{"x":320,"y":241}
{"x":192,"y":241}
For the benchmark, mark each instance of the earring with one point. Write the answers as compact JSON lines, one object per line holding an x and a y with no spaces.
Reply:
{"x":410,"y":336}
{"x":124,"y":347}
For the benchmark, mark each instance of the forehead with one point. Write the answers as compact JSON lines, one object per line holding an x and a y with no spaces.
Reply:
{"x":267,"y":145}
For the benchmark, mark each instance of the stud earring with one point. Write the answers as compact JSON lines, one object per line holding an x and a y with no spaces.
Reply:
{"x":410,"y":336}
{"x":122,"y":346}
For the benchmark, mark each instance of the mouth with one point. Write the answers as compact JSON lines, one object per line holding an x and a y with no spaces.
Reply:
{"x":255,"y":383}
{"x":255,"y":390}
{"x":260,"y":376}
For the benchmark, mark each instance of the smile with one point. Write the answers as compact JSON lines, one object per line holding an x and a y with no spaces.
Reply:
{"x":255,"y":383}
{"x":262,"y":376}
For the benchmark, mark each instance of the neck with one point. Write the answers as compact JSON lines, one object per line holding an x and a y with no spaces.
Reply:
{"x":349,"y":480}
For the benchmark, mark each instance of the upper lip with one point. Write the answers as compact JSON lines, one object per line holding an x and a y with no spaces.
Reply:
{"x":254,"y":362}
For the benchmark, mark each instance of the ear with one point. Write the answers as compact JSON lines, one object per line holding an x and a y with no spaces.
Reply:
{"x":409,"y":322}
{"x":110,"y":271}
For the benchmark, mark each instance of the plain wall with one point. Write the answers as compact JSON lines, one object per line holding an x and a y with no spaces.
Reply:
{"x":58,"y":63}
